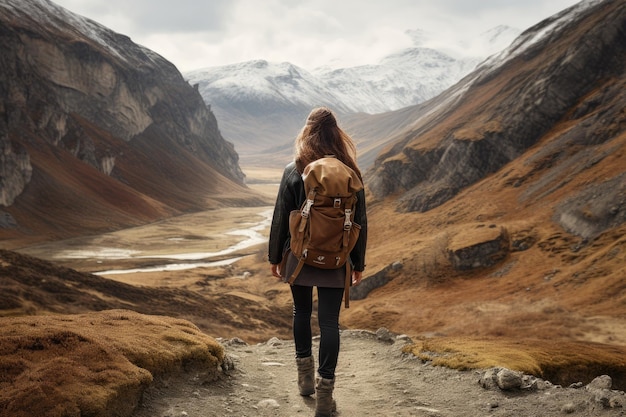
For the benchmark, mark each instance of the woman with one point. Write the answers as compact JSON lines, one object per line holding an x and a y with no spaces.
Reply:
{"x":318,"y":138}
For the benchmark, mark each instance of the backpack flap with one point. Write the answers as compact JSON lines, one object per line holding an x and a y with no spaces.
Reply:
{"x":331,"y":177}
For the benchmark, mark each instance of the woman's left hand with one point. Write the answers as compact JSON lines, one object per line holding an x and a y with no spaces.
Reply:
{"x":356,"y":277}
{"x":276,"y":271}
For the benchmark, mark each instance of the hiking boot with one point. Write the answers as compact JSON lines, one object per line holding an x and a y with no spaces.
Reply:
{"x":325,"y":405}
{"x":306,"y":375}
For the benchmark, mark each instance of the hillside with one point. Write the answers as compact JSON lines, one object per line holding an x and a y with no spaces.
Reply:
{"x":504,"y":205}
{"x":59,"y":324}
{"x":77,"y":365}
{"x":99,"y":133}
{"x":549,"y":88}
{"x":31,"y":286}
{"x":122,"y":363}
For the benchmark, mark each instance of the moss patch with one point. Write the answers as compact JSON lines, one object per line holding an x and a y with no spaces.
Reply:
{"x":95,"y":364}
{"x":561,"y":362}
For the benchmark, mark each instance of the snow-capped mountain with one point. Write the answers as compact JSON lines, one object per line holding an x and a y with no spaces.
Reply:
{"x":253,"y":86}
{"x":399,"y":80}
{"x":260,"y":104}
{"x":276,"y":97}
{"x":412,"y":75}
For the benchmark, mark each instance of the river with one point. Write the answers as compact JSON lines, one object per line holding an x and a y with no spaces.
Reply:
{"x":252,"y":237}
{"x":153,"y":242}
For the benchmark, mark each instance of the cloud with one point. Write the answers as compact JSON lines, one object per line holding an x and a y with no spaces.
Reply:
{"x":155,"y":16}
{"x":194,"y":34}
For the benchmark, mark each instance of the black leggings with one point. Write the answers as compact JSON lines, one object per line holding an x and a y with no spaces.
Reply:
{"x":329,"y":305}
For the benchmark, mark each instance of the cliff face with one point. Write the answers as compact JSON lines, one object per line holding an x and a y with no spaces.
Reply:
{"x":560,"y":83}
{"x":15,"y":171}
{"x":84,"y":110}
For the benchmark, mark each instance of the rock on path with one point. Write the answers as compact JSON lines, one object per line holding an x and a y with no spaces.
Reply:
{"x":374,"y":378}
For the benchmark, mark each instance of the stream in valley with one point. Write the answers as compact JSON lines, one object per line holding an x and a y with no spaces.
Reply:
{"x":209,"y":239}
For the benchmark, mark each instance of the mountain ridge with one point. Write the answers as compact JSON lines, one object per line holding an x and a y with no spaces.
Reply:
{"x":87,"y":109}
{"x":402,"y":78}
{"x":458,"y":144}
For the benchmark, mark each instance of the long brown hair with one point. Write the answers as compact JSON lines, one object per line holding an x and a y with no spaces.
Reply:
{"x":321,"y":136}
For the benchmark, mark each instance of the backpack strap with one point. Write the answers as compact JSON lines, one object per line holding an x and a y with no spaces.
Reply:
{"x":306,"y":208}
{"x":347,"y":223}
{"x":305,"y":211}
{"x":346,"y":291}
{"x":296,"y":271}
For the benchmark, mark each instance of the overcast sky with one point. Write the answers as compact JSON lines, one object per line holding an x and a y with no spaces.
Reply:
{"x":195,"y":34}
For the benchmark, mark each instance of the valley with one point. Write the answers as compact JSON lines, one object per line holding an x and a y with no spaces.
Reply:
{"x":523,"y":314}
{"x":525,"y":297}
{"x":131,"y":229}
{"x":218,"y":254}
{"x":217,"y":238}
{"x":218,"y":235}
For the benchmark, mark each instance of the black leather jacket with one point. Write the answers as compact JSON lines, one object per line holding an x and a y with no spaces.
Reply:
{"x":290,"y":197}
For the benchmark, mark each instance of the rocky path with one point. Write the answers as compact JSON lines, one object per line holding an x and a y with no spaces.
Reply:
{"x":373,"y":378}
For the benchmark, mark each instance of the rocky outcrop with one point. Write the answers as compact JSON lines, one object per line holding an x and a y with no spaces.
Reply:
{"x":567,"y":68}
{"x":76,"y":67}
{"x":15,"y":171}
{"x":478,"y":248}
{"x":374,"y":281}
{"x":91,"y":72}
{"x":594,"y":210}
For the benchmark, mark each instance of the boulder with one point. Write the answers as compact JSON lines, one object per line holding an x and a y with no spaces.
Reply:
{"x":478,"y":247}
{"x":374,"y":281}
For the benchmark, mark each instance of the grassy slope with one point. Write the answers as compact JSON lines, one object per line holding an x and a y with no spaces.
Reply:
{"x":95,"y":364}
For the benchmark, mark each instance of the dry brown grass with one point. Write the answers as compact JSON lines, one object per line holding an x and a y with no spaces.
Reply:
{"x":560,"y":362}
{"x":95,"y":364}
{"x":561,"y":301}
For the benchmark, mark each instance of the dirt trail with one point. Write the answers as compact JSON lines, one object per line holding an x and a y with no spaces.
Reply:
{"x":373,"y":378}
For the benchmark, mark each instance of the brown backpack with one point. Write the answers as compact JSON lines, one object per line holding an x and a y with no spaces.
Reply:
{"x":323,"y":231}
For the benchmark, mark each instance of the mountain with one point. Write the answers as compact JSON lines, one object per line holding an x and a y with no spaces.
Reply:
{"x":258,"y":102}
{"x":498,"y":208}
{"x":399,"y":80}
{"x":412,"y":75}
{"x":97,"y":132}
{"x":557,"y":85}
{"x":261,"y":106}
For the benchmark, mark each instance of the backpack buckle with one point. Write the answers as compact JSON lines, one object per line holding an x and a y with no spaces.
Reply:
{"x":307,"y":208}
{"x":347,"y":224}
{"x":337,"y":203}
